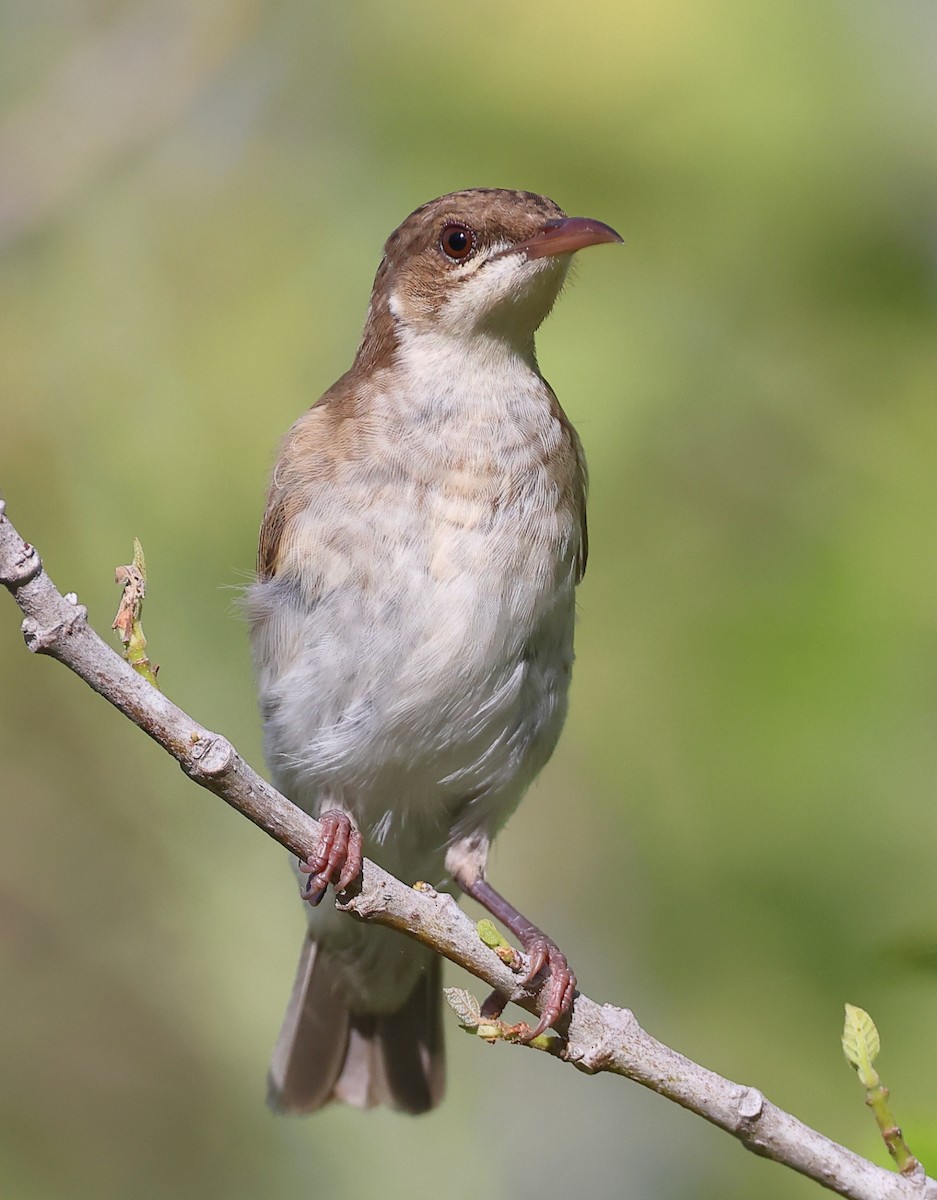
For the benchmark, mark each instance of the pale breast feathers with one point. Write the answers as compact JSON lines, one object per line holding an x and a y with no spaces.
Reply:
{"x":321,"y":449}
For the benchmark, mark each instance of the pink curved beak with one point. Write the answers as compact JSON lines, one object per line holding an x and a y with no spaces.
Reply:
{"x":565,"y":236}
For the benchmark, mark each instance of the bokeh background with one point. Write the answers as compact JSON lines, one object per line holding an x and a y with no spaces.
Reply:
{"x":738,"y":832}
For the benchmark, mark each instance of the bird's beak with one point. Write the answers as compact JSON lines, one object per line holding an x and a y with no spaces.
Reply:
{"x":564,"y":236}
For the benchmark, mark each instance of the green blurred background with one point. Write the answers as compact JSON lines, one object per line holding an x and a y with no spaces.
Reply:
{"x":738,"y":831}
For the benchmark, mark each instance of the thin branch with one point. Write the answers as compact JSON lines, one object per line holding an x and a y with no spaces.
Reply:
{"x":597,"y":1037}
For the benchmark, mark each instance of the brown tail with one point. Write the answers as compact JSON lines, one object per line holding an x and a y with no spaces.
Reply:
{"x":325,"y":1052}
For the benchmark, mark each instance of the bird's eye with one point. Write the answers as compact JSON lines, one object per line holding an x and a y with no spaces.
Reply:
{"x":457,"y":242}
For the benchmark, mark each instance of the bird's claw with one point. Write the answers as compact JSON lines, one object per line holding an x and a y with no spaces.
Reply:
{"x":542,"y":953}
{"x":337,"y":859}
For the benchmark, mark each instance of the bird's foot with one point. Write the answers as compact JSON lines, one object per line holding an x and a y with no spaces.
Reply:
{"x":337,"y":859}
{"x":545,"y":954}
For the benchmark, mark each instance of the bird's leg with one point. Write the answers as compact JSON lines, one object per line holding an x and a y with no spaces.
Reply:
{"x":542,"y":953}
{"x":337,"y":859}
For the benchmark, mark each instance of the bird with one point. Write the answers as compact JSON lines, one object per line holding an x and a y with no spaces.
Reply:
{"x":411,"y":627}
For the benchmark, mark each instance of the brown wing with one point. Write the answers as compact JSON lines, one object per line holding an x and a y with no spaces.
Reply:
{"x":569,"y":468}
{"x":306,"y":461}
{"x":582,"y":558}
{"x":271,"y":531}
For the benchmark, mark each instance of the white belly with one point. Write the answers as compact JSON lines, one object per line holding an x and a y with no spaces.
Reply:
{"x":424,"y":686}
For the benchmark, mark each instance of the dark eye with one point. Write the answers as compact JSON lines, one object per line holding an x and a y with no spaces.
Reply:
{"x":457,"y":241}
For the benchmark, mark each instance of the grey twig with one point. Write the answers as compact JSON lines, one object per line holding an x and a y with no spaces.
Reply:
{"x":596,"y":1038}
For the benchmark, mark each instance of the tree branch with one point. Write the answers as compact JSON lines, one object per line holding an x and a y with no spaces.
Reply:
{"x":596,"y":1038}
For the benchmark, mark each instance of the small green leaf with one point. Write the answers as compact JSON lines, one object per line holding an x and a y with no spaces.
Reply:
{"x":490,"y":935}
{"x":861,"y":1044}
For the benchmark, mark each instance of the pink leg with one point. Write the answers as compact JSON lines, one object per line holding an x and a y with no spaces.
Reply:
{"x":337,"y":859}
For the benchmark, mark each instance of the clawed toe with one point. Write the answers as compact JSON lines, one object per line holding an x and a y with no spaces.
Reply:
{"x":545,"y":954}
{"x":337,"y":859}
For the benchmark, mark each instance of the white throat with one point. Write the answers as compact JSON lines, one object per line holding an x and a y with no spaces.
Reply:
{"x":480,"y":375}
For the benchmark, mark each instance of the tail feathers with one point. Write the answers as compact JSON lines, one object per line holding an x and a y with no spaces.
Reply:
{"x":325,"y":1052}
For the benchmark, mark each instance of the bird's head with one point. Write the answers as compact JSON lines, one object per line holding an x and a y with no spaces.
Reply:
{"x":483,"y":260}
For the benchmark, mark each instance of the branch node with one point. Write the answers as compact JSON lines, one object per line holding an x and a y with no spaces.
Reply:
{"x":366,"y":903}
{"x":25,"y":566}
{"x":751,"y":1104}
{"x":590,"y":1059}
{"x":43,"y":639}
{"x":211,"y":756}
{"x":914,"y":1170}
{"x":596,"y":1045}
